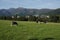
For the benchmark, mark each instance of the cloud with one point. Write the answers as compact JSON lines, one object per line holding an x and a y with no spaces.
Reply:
{"x":30,"y":3}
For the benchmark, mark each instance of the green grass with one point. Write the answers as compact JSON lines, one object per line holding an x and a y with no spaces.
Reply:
{"x":27,"y":30}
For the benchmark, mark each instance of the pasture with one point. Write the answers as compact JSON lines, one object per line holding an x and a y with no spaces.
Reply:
{"x":27,"y":30}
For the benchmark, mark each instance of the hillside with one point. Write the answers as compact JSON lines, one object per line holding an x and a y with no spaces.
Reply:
{"x":22,"y":11}
{"x":54,"y":12}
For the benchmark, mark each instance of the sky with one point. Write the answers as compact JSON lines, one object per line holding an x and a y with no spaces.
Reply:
{"x":37,"y":4}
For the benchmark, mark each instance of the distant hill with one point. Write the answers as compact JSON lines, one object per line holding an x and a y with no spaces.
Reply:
{"x":54,"y":12}
{"x":24,"y":11}
{"x":4,"y":12}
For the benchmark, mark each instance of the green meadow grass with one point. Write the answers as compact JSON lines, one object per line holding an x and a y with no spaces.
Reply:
{"x":26,"y":30}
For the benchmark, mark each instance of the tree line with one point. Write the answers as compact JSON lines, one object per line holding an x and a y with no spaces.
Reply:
{"x":31,"y":18}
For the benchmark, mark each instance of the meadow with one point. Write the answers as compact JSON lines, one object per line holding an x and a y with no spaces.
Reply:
{"x":27,"y":30}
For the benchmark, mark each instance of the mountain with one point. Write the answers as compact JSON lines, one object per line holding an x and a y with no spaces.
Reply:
{"x":4,"y":12}
{"x":23,"y":11}
{"x":54,"y":12}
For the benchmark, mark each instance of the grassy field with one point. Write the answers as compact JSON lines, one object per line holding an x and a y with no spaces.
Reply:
{"x":28,"y":30}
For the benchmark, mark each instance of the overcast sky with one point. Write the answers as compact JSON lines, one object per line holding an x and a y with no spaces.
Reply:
{"x":37,"y":4}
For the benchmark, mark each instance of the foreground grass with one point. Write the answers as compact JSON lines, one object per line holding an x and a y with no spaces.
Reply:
{"x":27,"y":30}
